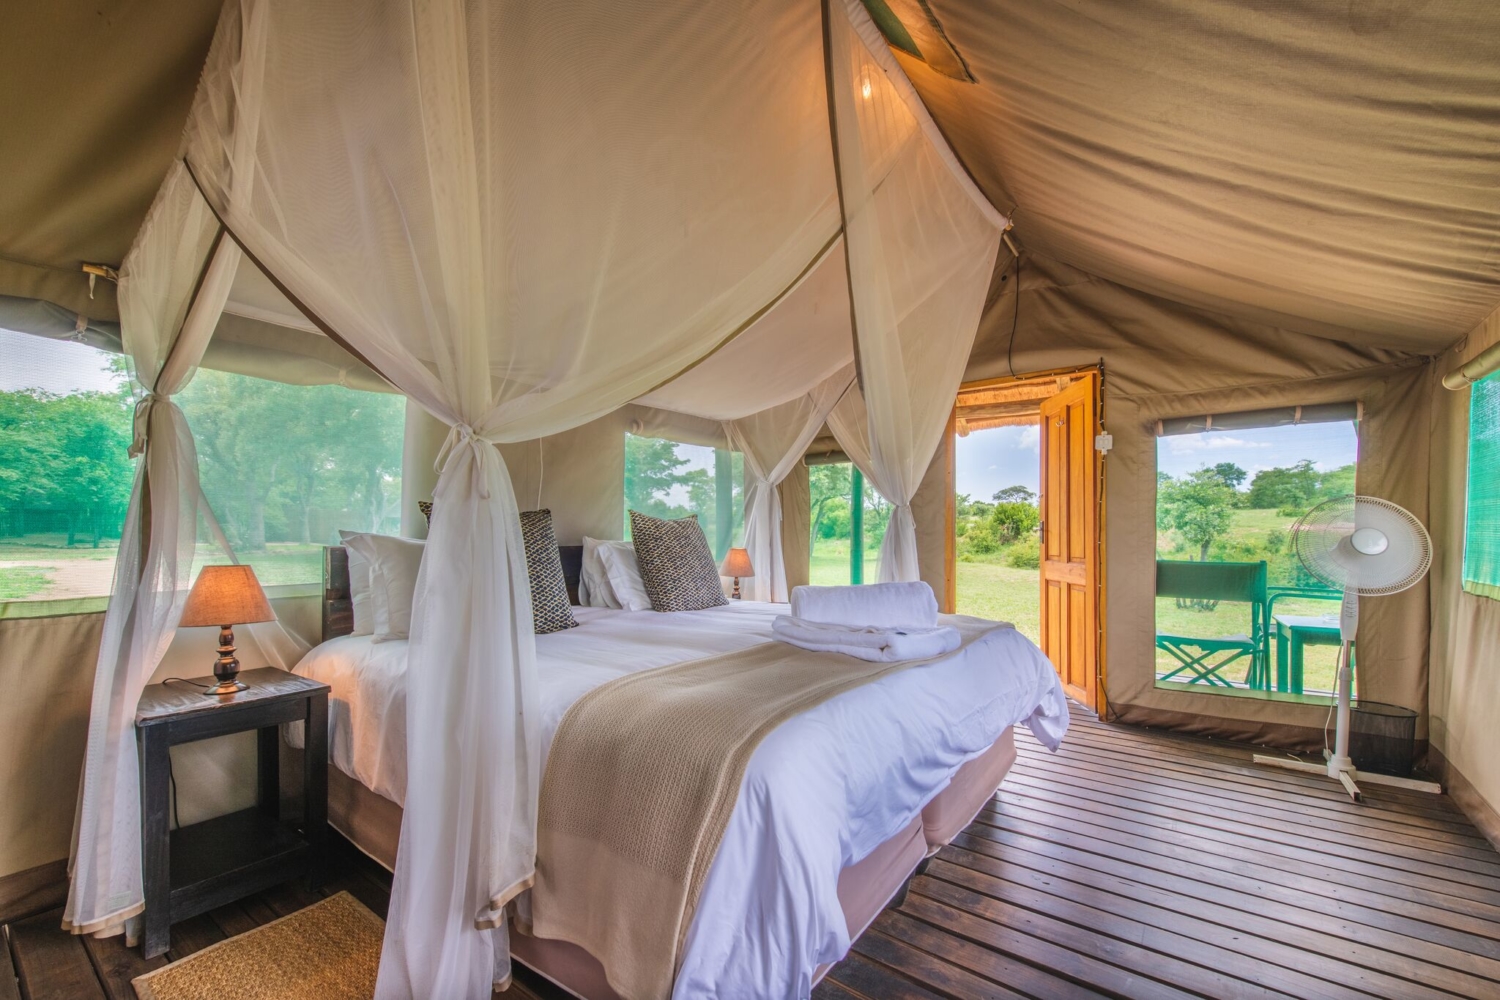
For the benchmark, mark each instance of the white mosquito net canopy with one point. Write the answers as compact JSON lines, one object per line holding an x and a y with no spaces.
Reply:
{"x":525,"y":215}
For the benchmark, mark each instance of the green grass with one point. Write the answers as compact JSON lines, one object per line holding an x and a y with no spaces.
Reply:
{"x":828,"y":565}
{"x":1318,"y":664}
{"x":42,"y":547}
{"x":21,"y":583}
{"x":994,"y":590}
{"x":281,"y":563}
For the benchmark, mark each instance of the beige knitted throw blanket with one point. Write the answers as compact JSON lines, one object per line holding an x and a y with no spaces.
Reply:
{"x":640,"y":783}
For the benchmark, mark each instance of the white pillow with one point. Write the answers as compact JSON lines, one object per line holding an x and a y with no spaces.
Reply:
{"x":625,"y":575}
{"x":393,"y":564}
{"x":359,"y":587}
{"x":594,"y":590}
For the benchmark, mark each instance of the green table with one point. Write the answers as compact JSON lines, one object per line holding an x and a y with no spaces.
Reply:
{"x":1293,"y":633}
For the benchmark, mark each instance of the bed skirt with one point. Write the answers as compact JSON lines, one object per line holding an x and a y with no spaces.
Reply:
{"x":373,"y":824}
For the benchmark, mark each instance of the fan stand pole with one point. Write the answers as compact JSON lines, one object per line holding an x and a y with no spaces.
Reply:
{"x":1338,"y":763}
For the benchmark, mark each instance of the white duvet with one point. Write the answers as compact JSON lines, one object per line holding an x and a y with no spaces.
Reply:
{"x":820,"y":793}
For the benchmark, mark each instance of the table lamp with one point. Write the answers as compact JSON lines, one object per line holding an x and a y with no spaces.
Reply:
{"x":232,"y":595}
{"x":737,"y":564}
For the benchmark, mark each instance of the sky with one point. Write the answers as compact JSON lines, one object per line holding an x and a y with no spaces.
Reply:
{"x":59,"y":366}
{"x":1327,"y":446}
{"x":988,"y":461}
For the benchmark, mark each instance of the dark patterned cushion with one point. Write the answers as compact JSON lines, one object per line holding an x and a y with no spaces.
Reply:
{"x":676,"y":565}
{"x":550,"y":609}
{"x":425,"y":506}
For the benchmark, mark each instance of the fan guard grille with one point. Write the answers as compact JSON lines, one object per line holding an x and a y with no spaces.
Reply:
{"x":1321,"y":540}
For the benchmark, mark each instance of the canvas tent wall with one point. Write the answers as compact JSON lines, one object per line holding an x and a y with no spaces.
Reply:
{"x":1464,"y":699}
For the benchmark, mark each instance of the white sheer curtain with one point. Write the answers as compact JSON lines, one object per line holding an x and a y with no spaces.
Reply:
{"x":165,"y":330}
{"x":485,"y":201}
{"x":922,"y":242}
{"x":773,"y":441}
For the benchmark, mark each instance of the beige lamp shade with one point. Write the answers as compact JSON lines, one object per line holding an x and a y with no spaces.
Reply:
{"x":226,"y":595}
{"x":737,"y":564}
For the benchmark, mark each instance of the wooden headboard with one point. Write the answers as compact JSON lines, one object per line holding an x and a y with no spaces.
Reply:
{"x":338,"y":603}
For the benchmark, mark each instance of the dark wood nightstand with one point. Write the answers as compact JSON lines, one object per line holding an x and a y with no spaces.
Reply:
{"x":194,"y":869}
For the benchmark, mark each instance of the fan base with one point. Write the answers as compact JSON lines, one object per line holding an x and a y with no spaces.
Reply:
{"x":1349,"y":777}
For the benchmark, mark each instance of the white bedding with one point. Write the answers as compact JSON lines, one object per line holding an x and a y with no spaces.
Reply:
{"x":821,"y":792}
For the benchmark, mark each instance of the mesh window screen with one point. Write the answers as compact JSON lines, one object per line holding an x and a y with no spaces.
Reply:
{"x":669,"y":479}
{"x":285,"y":467}
{"x":1482,"y":529}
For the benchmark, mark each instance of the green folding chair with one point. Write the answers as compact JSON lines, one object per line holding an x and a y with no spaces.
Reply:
{"x":1203,"y":659}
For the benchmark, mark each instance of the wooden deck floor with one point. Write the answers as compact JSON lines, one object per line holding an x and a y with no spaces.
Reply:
{"x":1131,"y":864}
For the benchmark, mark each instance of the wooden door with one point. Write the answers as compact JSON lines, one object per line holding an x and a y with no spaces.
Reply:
{"x":1070,"y":536}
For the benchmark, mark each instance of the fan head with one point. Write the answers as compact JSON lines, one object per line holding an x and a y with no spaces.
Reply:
{"x":1362,"y":544}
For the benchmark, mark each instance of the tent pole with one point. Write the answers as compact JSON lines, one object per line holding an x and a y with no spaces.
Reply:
{"x":1481,"y":365}
{"x":856,"y":525}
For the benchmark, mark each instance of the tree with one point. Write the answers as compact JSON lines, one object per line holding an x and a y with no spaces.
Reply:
{"x":1015,"y":494}
{"x":1199,"y":507}
{"x":877,"y":519}
{"x":1285,"y":488}
{"x":1231,"y":474}
{"x":827,"y":484}
{"x":1295,"y":488}
{"x":965,"y":506}
{"x":271,"y":454}
{"x":703,"y":487}
{"x":66,"y":456}
{"x":1015,"y":519}
{"x":658,"y":479}
{"x":1336,"y":483}
{"x":92,"y":433}
{"x":1015,"y":513}
{"x":652,"y":470}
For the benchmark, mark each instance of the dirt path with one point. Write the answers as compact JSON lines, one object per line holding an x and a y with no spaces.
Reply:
{"x":68,"y":577}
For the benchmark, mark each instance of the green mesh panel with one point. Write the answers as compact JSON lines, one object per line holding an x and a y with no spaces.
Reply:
{"x":1482,"y":531}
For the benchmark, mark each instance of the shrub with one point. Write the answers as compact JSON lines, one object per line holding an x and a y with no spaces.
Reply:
{"x":1025,"y":554}
{"x":1015,"y":520}
{"x":981,"y":538}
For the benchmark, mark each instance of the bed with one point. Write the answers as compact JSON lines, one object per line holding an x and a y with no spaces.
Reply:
{"x":838,"y":807}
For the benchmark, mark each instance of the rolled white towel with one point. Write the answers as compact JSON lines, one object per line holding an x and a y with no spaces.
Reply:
{"x":886,"y":645}
{"x":886,"y":605}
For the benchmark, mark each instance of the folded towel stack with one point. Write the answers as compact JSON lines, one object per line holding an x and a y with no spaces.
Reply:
{"x":886,"y":645}
{"x":883,"y":605}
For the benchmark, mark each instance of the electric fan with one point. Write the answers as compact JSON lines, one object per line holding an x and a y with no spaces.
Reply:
{"x":1365,"y":547}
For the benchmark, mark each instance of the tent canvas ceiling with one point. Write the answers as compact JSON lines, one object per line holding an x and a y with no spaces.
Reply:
{"x":1328,"y":169}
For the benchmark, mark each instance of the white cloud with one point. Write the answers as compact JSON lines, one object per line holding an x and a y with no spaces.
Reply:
{"x":1031,"y":437}
{"x":1186,"y":444}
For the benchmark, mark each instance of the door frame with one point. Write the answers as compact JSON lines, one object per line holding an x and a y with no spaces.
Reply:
{"x":1100,"y":672}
